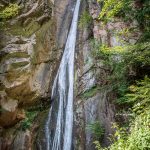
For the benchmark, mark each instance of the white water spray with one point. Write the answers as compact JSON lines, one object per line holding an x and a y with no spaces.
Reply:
{"x":59,"y":125}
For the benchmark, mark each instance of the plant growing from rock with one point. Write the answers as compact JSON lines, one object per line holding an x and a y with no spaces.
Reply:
{"x":90,"y":92}
{"x":96,"y":129}
{"x":9,"y":11}
{"x":27,"y":122}
{"x":85,"y":20}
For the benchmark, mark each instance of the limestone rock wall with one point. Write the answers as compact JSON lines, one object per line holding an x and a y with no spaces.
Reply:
{"x":28,"y":58}
{"x":93,"y":102}
{"x":31,"y":47}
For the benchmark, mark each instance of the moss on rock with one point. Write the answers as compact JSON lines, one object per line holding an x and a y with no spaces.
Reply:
{"x":26,"y":31}
{"x":15,"y":55}
{"x":19,"y":64}
{"x":11,"y":76}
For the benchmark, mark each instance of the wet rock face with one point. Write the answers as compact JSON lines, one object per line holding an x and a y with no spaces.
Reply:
{"x":10,"y":118}
{"x":22,"y":141}
{"x":99,"y":108}
{"x":92,"y":102}
{"x":63,"y":11}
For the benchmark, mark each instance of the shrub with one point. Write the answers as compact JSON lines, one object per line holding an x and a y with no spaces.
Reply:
{"x":120,"y":59}
{"x":90,"y":92}
{"x":96,"y":129}
{"x":140,"y":95}
{"x":10,"y":11}
{"x":27,"y":122}
{"x":139,"y":136}
{"x":125,"y":64}
{"x":127,"y":10}
{"x":85,"y":19}
{"x":111,"y":8}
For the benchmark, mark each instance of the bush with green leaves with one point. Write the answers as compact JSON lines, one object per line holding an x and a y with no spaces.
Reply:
{"x":85,"y":19}
{"x":112,"y":59}
{"x":137,"y":135}
{"x":120,"y":59}
{"x":90,"y":92}
{"x":140,"y":95}
{"x":27,"y":122}
{"x":111,"y":8}
{"x":9,"y":11}
{"x":127,"y":9}
{"x":137,"y":97}
{"x":125,"y":64}
{"x":96,"y":129}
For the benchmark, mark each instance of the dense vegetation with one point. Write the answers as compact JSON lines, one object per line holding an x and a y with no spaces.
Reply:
{"x":7,"y":12}
{"x":129,"y":75}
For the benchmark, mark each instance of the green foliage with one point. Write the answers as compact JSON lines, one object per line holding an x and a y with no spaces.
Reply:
{"x":142,"y":15}
{"x":112,"y":59}
{"x":98,"y":146}
{"x":27,"y":122}
{"x":138,"y":54}
{"x":90,"y":93}
{"x":127,"y":10}
{"x":96,"y":129}
{"x":121,"y":91}
{"x":85,"y":19}
{"x":111,"y":8}
{"x":19,"y":64}
{"x":137,"y":135}
{"x":10,"y":11}
{"x":130,"y":54}
{"x":124,"y":63}
{"x":140,"y":95}
{"x":120,"y":59}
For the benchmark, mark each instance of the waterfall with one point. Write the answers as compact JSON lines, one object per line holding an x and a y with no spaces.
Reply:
{"x":59,"y":124}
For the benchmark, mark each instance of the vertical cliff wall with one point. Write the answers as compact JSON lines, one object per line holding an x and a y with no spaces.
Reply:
{"x":31,"y":46}
{"x":91,"y":104}
{"x":95,"y":97}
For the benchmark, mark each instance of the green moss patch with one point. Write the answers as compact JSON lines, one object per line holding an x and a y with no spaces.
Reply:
{"x":16,"y":55}
{"x":28,"y":121}
{"x":25,"y":31}
{"x":90,"y":93}
{"x":19,"y":64}
{"x":13,"y":75}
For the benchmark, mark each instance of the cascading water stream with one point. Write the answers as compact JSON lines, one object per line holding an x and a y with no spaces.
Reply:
{"x":59,"y":125}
